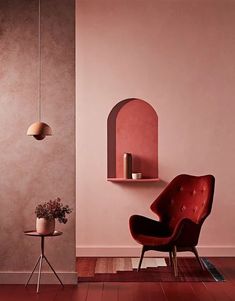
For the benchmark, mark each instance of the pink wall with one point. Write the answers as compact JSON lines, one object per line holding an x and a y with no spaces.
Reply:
{"x":34,"y":171}
{"x":179,"y":56}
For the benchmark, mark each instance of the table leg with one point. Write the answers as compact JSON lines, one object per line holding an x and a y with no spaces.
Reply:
{"x":53,"y":270}
{"x":42,"y":245}
{"x":39,"y":273}
{"x":33,"y":271}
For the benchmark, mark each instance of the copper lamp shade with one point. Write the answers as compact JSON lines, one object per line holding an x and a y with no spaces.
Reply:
{"x":39,"y":130}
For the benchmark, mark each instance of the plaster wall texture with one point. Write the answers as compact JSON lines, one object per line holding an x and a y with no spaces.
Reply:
{"x":180,"y":57}
{"x":35,"y":171}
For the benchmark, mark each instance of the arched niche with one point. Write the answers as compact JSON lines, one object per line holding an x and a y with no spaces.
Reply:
{"x":133,"y":128}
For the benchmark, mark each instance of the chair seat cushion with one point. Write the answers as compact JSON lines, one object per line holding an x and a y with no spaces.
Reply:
{"x":149,"y":232}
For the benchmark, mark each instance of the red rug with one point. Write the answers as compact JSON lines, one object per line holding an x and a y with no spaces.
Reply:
{"x":189,"y":270}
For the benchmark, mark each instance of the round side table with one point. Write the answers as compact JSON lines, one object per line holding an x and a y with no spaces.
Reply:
{"x":42,"y":256}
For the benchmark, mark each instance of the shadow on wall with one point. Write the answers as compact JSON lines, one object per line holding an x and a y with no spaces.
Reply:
{"x":160,"y":185}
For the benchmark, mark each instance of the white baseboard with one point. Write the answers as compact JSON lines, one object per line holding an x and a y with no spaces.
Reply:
{"x":130,"y":251}
{"x":18,"y":277}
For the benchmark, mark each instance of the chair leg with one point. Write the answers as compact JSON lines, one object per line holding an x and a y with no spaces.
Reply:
{"x":170,"y":258}
{"x":175,"y":261}
{"x":141,"y":258}
{"x":194,"y":250}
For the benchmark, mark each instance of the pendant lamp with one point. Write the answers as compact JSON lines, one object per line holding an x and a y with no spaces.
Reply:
{"x":39,"y":130}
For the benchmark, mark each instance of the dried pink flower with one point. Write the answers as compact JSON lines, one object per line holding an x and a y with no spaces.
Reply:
{"x":53,"y":209}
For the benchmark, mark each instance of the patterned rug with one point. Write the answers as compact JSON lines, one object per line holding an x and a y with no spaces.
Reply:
{"x":94,"y":269}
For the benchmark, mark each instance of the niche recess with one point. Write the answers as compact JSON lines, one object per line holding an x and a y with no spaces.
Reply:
{"x":133,"y":128}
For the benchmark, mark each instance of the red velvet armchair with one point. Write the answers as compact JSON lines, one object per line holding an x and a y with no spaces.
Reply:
{"x":181,"y":208}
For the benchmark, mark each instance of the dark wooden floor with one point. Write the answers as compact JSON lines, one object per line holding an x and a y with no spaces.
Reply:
{"x":164,"y":291}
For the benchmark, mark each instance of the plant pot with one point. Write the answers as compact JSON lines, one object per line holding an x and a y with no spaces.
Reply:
{"x":45,"y":226}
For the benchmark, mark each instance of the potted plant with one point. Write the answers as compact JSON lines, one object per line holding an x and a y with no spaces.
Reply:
{"x":47,"y":213}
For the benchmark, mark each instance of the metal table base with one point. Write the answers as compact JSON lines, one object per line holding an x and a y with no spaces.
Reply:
{"x":39,"y":262}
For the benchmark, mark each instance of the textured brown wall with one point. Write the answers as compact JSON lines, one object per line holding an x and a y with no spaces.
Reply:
{"x":30,"y":170}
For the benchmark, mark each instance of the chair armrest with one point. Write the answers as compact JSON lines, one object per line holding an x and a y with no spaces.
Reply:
{"x":186,"y":233}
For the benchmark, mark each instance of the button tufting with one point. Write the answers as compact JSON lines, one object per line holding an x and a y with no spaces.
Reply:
{"x":183,"y":208}
{"x":181,"y":188}
{"x":193,"y":192}
{"x":195,"y":209}
{"x":172,"y":201}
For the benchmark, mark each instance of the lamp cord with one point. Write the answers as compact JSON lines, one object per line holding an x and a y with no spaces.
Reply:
{"x":39,"y":60}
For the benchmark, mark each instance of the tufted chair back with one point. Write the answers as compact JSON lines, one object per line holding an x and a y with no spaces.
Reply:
{"x":185,"y":197}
